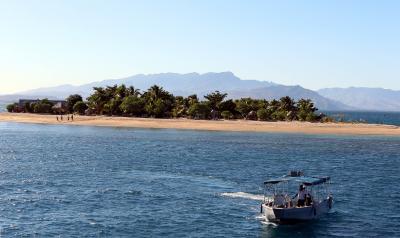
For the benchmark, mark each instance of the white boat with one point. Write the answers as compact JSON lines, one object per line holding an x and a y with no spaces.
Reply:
{"x":281,"y":207}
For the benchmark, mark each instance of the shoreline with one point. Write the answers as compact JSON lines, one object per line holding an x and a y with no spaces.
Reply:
{"x":209,"y":125}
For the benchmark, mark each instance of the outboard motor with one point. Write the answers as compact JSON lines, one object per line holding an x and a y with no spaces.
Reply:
{"x":330,"y":202}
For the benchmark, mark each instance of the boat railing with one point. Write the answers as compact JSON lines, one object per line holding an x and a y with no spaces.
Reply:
{"x":275,"y":194}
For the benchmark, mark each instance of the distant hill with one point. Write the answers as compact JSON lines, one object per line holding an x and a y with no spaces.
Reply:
{"x":200,"y":84}
{"x":371,"y":99}
{"x":296,"y":92}
{"x":179,"y":84}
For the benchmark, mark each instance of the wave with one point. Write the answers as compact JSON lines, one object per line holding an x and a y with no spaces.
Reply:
{"x":257,"y":197}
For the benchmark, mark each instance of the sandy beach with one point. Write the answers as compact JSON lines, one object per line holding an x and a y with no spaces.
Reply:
{"x":220,"y":125}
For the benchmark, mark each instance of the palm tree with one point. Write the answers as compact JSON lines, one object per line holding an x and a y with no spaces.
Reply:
{"x":180,"y":107}
{"x":192,"y":99}
{"x":132,"y":91}
{"x":132,"y":105}
{"x":287,"y":104}
{"x":97,"y":100}
{"x":306,"y":110}
{"x":215,"y":99}
{"x":287,"y":107}
{"x":158,"y":101}
{"x":246,"y":105}
{"x":121,"y":91}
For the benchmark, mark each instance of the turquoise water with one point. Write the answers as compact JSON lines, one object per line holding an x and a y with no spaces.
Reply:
{"x":91,"y":181}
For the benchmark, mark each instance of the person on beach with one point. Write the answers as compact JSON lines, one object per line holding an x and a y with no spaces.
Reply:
{"x":72,"y":117}
{"x":61,"y":117}
{"x":68,"y":118}
{"x":57,"y":118}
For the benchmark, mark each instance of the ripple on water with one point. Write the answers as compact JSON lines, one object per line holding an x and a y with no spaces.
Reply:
{"x":88,"y":181}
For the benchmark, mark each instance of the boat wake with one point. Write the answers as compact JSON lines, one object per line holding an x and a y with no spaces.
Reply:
{"x":268,"y":223}
{"x":257,"y":197}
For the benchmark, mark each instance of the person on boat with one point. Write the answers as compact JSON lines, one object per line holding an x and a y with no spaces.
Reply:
{"x":308,"y":199}
{"x":301,"y":196}
{"x":279,"y":200}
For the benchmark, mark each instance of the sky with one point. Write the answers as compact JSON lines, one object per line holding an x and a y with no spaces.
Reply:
{"x":315,"y":44}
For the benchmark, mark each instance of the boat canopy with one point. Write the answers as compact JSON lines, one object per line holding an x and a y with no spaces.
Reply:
{"x":307,"y":181}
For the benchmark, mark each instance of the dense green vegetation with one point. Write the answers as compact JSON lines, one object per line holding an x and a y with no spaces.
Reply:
{"x":159,"y":103}
{"x":72,"y":100}
{"x":41,"y":106}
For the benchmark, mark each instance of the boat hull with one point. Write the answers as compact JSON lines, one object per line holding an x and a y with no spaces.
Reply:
{"x":296,"y":214}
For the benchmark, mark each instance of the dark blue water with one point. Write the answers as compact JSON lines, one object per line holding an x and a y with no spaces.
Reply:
{"x":100,"y":182}
{"x":390,"y":118}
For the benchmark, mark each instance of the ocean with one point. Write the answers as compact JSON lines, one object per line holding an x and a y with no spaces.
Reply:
{"x":83,"y":181}
{"x":390,"y":118}
{"x":3,"y":107}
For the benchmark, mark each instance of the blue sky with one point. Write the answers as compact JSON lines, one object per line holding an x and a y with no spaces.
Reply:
{"x":315,"y":44}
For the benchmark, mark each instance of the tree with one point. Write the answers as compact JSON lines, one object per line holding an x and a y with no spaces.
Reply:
{"x":306,"y":110}
{"x":287,"y":108}
{"x":286,"y":104}
{"x":279,"y":115}
{"x":28,"y":107}
{"x":273,"y":105}
{"x":158,"y":101}
{"x":261,"y":103}
{"x":245,"y":105}
{"x":157,"y":108}
{"x":132,"y":91}
{"x":109,"y":99}
{"x":72,"y":100}
{"x":226,"y":115}
{"x":263,"y":114}
{"x":311,"y":117}
{"x":229,"y":106}
{"x":43,"y":106}
{"x":132,"y":105}
{"x":110,"y":92}
{"x":180,"y":107}
{"x":11,"y":107}
{"x":192,"y":99}
{"x":200,"y":110}
{"x":97,"y":100}
{"x":80,"y":107}
{"x":215,"y":99}
{"x":112,"y":106}
{"x":273,"y":110}
{"x":120,"y":92}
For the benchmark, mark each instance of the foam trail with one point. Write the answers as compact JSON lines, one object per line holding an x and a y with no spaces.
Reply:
{"x":267,"y":223}
{"x":258,"y":197}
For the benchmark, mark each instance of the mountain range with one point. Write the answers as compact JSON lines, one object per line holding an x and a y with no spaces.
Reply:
{"x":368,"y":99}
{"x":201,"y":84}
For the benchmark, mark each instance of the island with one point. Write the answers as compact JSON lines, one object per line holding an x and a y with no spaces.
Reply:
{"x":121,"y":106}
